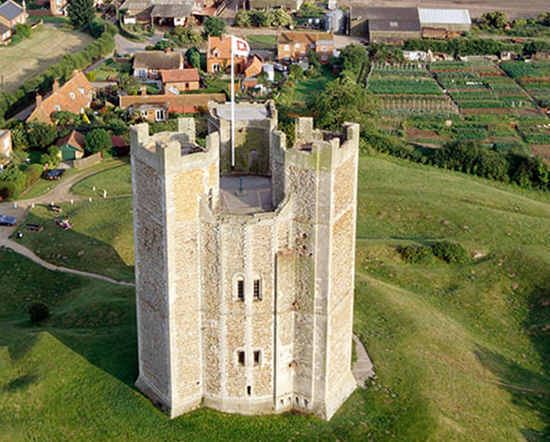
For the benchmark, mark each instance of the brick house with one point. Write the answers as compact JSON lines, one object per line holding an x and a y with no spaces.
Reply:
{"x":11,"y":14}
{"x":148,"y":64}
{"x":71,"y":147}
{"x":74,"y":96}
{"x":218,"y":55}
{"x":254,"y":66}
{"x":180,"y":80}
{"x":295,"y":45}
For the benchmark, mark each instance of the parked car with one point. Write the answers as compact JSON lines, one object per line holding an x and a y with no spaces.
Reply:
{"x":55,"y":174}
{"x":7,"y":220}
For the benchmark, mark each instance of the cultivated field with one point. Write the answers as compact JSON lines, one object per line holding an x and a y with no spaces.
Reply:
{"x":32,"y":56}
{"x":461,"y":351}
{"x":477,"y":7}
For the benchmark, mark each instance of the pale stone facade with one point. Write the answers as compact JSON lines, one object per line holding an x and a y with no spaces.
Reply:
{"x":245,"y":311}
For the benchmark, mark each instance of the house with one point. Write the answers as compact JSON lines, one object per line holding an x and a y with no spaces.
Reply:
{"x":158,"y":107}
{"x":218,"y":55}
{"x":393,"y":25}
{"x":11,"y":14}
{"x":74,"y":96}
{"x":291,"y":5}
{"x":180,"y":80}
{"x":5,"y":147}
{"x":148,"y":64}
{"x":254,"y":66}
{"x":295,"y":45}
{"x":444,"y":23}
{"x":5,"y":34}
{"x":162,"y":12}
{"x":71,"y":147}
{"x":59,"y":7}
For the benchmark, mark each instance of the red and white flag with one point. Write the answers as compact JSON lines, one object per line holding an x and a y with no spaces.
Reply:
{"x":239,"y":46}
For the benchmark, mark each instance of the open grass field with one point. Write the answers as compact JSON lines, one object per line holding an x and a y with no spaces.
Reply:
{"x":461,"y":351}
{"x":32,"y":56}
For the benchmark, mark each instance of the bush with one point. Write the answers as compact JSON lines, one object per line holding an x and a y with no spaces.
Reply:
{"x":417,"y":254}
{"x":450,"y":252}
{"x":38,"y":312}
{"x":32,"y":173}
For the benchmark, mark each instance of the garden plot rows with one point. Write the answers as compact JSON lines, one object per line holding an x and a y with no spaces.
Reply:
{"x":533,"y":77}
{"x":408,"y":89}
{"x":482,"y":88}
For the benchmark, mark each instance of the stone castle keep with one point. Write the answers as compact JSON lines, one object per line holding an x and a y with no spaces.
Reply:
{"x":245,"y":277}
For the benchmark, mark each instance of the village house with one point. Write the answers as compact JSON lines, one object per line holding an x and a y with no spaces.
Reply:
{"x":5,"y":148}
{"x":218,"y":55}
{"x":74,"y":96}
{"x":254,"y":66}
{"x":296,"y":45}
{"x":11,"y":14}
{"x":180,"y":80}
{"x":71,"y":147}
{"x":148,"y":64}
{"x":159,"y":107}
{"x":172,"y":13}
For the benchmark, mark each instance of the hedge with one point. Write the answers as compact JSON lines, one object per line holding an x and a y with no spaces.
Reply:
{"x":12,"y":189}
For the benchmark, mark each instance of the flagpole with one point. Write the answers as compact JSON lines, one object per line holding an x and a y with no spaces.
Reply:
{"x":232,"y":106}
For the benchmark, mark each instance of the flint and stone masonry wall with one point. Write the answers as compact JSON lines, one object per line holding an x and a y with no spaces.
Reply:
{"x":199,"y":341}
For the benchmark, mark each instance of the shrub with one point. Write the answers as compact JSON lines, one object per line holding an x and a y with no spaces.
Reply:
{"x":417,"y":254}
{"x":38,"y":312}
{"x":32,"y":173}
{"x":91,"y":76}
{"x":450,"y":252}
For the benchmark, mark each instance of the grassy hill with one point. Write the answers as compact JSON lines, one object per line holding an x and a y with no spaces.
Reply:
{"x":461,"y":351}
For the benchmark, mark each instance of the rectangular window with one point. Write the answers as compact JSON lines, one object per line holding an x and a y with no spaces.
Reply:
{"x":241,"y":358}
{"x":240,"y":289}
{"x":257,"y":290}
{"x":257,"y":357}
{"x":286,"y":48}
{"x":249,"y":390}
{"x":160,"y":115}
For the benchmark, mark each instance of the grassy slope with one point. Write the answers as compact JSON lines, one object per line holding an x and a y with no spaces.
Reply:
{"x":45,"y":47}
{"x":443,"y":338}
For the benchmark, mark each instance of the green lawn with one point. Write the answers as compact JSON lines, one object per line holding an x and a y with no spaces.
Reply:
{"x":461,"y":352}
{"x":116,"y":181}
{"x":45,"y":47}
{"x":262,"y":42}
{"x":111,"y":68}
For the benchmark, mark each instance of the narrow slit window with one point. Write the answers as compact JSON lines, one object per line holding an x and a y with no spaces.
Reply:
{"x":257,"y":357}
{"x":240,"y":289}
{"x":241,"y":357}
{"x":249,"y":390}
{"x":257,"y":290}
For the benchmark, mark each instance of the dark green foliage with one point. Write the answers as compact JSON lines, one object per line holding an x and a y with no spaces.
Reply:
{"x":81,"y":12}
{"x":495,"y":19}
{"x":462,"y":46}
{"x":23,"y":30}
{"x":214,"y":26}
{"x":193,"y":56}
{"x":451,"y":252}
{"x":41,"y":135}
{"x":97,"y":140}
{"x":344,"y":100}
{"x":257,"y":18}
{"x":528,"y":171}
{"x":385,"y":52}
{"x":417,"y":254}
{"x":353,"y":57}
{"x":182,"y":36}
{"x":295,"y":71}
{"x":97,"y":26}
{"x":242,"y":19}
{"x":471,"y":157}
{"x":38,"y":312}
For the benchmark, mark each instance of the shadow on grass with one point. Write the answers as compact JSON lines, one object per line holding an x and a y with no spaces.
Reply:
{"x":19,"y":383}
{"x":529,"y":389}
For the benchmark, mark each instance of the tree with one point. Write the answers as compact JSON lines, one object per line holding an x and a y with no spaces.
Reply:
{"x":193,"y":56}
{"x":214,"y":26}
{"x":81,"y":12}
{"x":344,"y":100}
{"x":295,"y":71}
{"x":279,"y":17}
{"x":520,"y":22}
{"x":97,"y":140}
{"x":353,"y":57}
{"x":242,"y":19}
{"x":23,"y":30}
{"x":38,"y":312}
{"x":41,"y":135}
{"x":495,"y":19}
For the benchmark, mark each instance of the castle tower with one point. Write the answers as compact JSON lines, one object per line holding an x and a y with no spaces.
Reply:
{"x":245,"y":277}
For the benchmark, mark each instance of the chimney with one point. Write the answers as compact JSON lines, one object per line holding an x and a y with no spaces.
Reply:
{"x":143,"y":90}
{"x":38,"y":100}
{"x":75,"y":72}
{"x":168,"y":50}
{"x":55,"y":87}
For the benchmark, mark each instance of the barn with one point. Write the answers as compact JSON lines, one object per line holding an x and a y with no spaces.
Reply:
{"x":444,"y":23}
{"x":393,"y":25}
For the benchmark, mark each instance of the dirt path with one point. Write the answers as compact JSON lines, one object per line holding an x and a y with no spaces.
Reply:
{"x":59,"y":194}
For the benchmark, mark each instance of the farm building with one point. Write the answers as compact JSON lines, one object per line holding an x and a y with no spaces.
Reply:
{"x":292,"y":5}
{"x":335,"y":21}
{"x":71,"y":147}
{"x":393,"y":25}
{"x":444,"y":23}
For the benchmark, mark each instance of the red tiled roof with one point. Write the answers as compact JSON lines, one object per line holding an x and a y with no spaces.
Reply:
{"x":73,"y":96}
{"x":74,"y":139}
{"x":173,"y":101}
{"x":179,"y":75}
{"x":303,"y":37}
